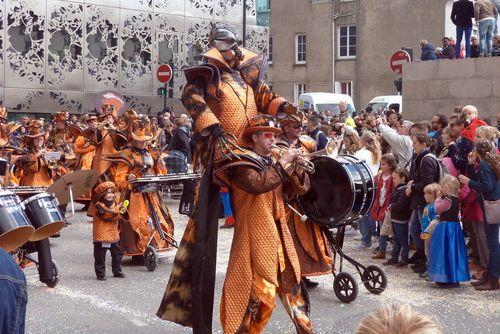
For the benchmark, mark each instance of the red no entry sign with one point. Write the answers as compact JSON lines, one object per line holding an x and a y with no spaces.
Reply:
{"x":164,"y":73}
{"x":398,"y":58}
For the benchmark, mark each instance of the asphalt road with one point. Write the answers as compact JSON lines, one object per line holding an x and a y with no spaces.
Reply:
{"x":81,"y":304}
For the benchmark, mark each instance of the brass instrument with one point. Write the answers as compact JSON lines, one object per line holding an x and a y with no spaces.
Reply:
{"x":106,"y":126}
{"x":51,"y":159}
{"x":328,"y":150}
{"x":305,"y":163}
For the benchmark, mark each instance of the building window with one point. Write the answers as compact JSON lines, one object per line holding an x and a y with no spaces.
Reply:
{"x":300,"y":49}
{"x":347,"y":42}
{"x":343,"y":87}
{"x":299,"y":88}
{"x":270,"y":57}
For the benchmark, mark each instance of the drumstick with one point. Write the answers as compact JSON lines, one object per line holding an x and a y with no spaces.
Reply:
{"x":303,"y":218}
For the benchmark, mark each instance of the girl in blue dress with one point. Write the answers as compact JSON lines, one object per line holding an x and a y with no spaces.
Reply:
{"x":448,"y":264}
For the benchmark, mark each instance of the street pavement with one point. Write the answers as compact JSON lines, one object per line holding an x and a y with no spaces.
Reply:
{"x":81,"y":304}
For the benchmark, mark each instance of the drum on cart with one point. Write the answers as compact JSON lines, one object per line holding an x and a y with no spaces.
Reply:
{"x":342,"y":189}
{"x":15,"y":227}
{"x":43,"y":212}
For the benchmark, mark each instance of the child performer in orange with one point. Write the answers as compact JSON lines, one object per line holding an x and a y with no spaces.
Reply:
{"x":106,"y":234}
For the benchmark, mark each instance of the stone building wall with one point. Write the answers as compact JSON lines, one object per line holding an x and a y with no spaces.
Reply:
{"x":431,"y":87}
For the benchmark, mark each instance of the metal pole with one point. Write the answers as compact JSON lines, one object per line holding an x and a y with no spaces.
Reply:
{"x":244,"y":22}
{"x":165,"y":97}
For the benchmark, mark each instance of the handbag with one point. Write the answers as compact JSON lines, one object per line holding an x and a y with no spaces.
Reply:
{"x":492,"y":211}
{"x":386,"y":228}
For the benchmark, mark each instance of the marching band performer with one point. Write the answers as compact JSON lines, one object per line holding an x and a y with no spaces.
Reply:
{"x":147,"y":207}
{"x":7,"y":129}
{"x":35,"y":170}
{"x":83,"y":146}
{"x":105,"y":230}
{"x":263,"y":262}
{"x":61,"y":139}
{"x":221,"y":96}
{"x":310,"y":243}
{"x":104,"y":141}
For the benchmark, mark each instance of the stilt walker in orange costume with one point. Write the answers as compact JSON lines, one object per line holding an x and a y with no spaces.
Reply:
{"x":313,"y":250}
{"x":221,"y":95}
{"x":145,"y":207}
{"x":263,"y":263}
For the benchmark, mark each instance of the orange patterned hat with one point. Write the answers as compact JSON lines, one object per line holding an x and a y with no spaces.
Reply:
{"x":261,"y":123}
{"x":140,"y":129}
{"x":60,"y":116}
{"x":101,"y":189}
{"x":108,"y":109}
{"x":35,"y":129}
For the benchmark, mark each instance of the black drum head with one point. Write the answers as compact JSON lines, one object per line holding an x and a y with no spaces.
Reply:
{"x":331,"y":195}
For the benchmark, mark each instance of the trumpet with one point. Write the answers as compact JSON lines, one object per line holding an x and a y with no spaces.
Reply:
{"x":106,"y":126}
{"x":305,"y":163}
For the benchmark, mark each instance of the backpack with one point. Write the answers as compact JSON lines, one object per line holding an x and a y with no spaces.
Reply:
{"x":443,"y":170}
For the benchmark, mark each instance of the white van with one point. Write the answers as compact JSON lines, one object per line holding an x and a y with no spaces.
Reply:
{"x":387,"y":102}
{"x":325,"y":102}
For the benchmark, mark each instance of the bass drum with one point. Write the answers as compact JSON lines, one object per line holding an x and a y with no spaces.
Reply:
{"x":43,"y":212}
{"x":342,"y":189}
{"x":15,"y":228}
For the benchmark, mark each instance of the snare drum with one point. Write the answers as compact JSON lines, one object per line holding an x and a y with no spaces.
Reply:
{"x":43,"y":212}
{"x":15,"y":228}
{"x":342,"y":189}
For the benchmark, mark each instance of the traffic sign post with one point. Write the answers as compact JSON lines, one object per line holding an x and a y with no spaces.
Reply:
{"x":399,"y":58}
{"x":164,"y":75}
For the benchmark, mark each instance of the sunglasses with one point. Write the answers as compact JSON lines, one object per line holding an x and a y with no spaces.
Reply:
{"x":269,"y":135}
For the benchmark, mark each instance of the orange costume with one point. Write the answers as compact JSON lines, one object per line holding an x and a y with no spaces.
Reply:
{"x":146,"y":207}
{"x":312,"y":248}
{"x":263,"y":262}
{"x":84,"y":149}
{"x":105,"y":230}
{"x":107,"y":217}
{"x":7,"y":129}
{"x":34,"y":168}
{"x":221,"y":96}
{"x":61,"y":139}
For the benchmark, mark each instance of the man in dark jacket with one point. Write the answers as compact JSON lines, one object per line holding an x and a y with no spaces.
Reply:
{"x":448,"y":51}
{"x":424,"y":170}
{"x":464,"y":145}
{"x":314,"y":131}
{"x":461,"y":15}
{"x":439,"y":122}
{"x":180,"y":147}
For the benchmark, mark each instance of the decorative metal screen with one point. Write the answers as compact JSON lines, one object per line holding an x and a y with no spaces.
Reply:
{"x":58,"y":55}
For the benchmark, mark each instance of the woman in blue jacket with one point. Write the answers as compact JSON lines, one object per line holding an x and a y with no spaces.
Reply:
{"x":486,"y":182}
{"x":428,"y":51}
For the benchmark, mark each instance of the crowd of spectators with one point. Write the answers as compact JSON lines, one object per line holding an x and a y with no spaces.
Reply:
{"x":486,"y":17}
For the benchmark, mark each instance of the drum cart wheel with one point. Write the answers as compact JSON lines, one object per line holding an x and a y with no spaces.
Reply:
{"x":344,"y":284}
{"x":345,"y":287}
{"x":151,"y":258}
{"x":55,"y":280}
{"x":374,"y":279}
